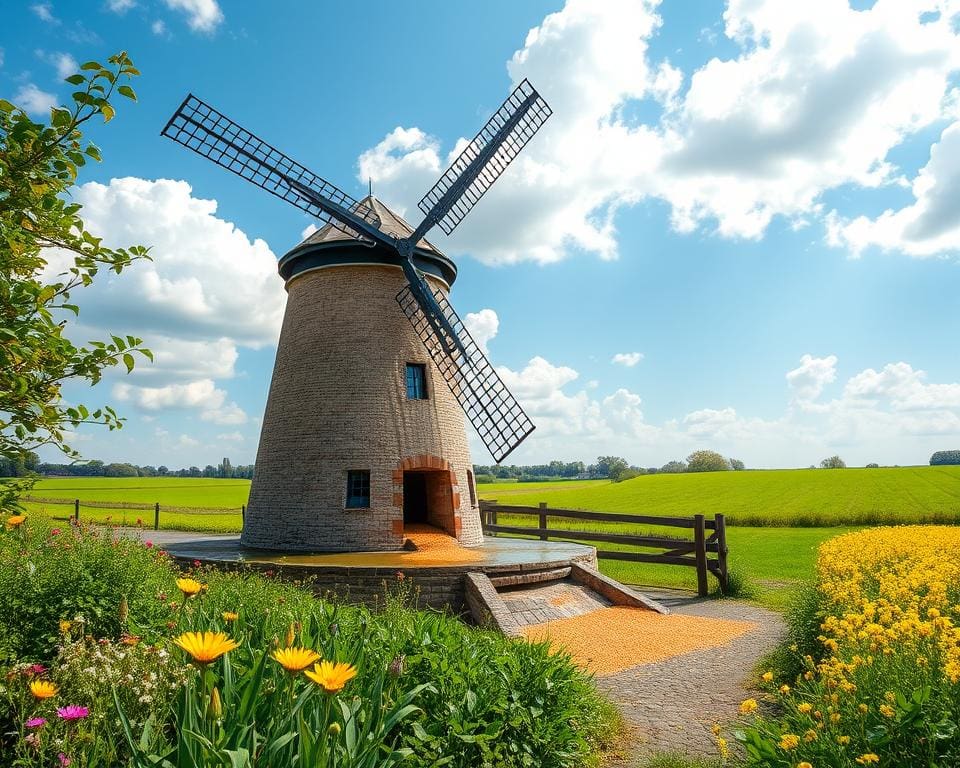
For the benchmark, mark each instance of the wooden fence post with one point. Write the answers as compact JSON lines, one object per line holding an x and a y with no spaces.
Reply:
{"x":700,"y":550}
{"x":543,"y":520}
{"x":243,"y":514}
{"x":721,"y":531}
{"x":156,"y":516}
{"x":493,"y":514}
{"x":76,"y":510}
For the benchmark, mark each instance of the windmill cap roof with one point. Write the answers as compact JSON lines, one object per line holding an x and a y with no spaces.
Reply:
{"x":330,"y":246}
{"x":390,"y":222}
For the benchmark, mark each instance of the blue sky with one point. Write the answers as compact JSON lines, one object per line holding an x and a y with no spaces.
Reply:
{"x":753,"y":207}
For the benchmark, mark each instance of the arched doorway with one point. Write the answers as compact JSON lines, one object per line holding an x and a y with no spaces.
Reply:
{"x":427,"y":493}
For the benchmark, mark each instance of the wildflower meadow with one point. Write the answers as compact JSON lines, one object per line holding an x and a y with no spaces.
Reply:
{"x":877,"y":659}
{"x":110,"y":657}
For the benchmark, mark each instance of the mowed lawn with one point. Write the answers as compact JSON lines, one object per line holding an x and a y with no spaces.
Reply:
{"x":800,"y":497}
{"x":187,"y":492}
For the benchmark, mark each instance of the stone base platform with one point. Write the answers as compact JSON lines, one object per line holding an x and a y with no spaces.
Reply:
{"x":438,"y":576}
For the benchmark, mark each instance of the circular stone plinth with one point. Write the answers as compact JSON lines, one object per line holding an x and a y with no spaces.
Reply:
{"x":362,"y":577}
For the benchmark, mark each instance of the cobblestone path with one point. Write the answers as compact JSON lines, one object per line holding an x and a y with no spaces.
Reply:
{"x":670,"y":705}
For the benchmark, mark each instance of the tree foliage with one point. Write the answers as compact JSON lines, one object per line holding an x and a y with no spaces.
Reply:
{"x":41,"y":227}
{"x":834,"y":462}
{"x":673,"y":468}
{"x":706,"y":461}
{"x":737,"y":465}
{"x":945,"y":457}
{"x":611,"y":466}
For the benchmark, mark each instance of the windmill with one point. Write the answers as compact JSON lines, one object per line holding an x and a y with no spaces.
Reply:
{"x":414,"y":460}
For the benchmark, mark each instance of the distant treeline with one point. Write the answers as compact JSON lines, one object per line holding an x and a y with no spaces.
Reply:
{"x":30,"y":463}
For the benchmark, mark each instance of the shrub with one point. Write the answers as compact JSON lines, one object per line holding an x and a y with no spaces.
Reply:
{"x":484,"y":479}
{"x":833,"y":462}
{"x":883,"y":683}
{"x":706,"y":461}
{"x":945,"y":457}
{"x":629,"y":474}
{"x":873,"y":465}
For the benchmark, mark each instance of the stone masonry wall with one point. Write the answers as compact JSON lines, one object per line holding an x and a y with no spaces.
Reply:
{"x":338,"y":402}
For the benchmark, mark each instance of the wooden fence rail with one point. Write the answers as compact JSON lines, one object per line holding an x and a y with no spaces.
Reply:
{"x":155,"y":507}
{"x":695,"y":552}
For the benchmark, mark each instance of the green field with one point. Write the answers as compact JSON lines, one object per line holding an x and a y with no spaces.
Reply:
{"x":777,"y":518}
{"x":798,"y":497}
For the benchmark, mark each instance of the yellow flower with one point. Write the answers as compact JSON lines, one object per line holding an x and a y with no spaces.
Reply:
{"x":843,"y":740}
{"x":810,"y":735}
{"x":867,"y":758}
{"x":804,"y":764}
{"x":715,"y":730}
{"x":332,"y":676}
{"x":784,"y":689}
{"x":789,"y":741}
{"x":15,"y":521}
{"x":747,"y":706}
{"x":65,"y":626}
{"x":722,"y":748}
{"x":230,"y":616}
{"x":43,"y":689}
{"x":189,"y":587}
{"x":767,"y":677}
{"x":805,"y":708}
{"x":295,"y":659}
{"x":205,"y":647}
{"x":886,"y":710}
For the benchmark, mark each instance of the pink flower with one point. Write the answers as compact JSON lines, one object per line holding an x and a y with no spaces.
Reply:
{"x":35,"y":669}
{"x":148,"y":544}
{"x":64,"y":760}
{"x":72,"y":712}
{"x":54,"y":531}
{"x":197,"y":563}
{"x":35,"y":722}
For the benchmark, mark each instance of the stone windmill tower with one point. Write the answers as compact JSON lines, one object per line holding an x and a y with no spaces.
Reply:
{"x":364,"y":429}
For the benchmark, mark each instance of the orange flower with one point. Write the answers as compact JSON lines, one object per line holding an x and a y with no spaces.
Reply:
{"x":205,"y":647}
{"x":43,"y":689}
{"x":295,"y":659}
{"x":332,"y":676}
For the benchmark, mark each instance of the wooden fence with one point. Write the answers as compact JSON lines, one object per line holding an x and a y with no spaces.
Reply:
{"x":695,"y":552}
{"x":126,"y":505}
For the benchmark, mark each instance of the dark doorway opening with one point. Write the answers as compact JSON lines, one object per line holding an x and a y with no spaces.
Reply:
{"x":415,"y":509}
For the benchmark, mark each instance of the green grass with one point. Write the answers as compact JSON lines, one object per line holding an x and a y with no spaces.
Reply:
{"x":800,"y":497}
{"x":169,"y":491}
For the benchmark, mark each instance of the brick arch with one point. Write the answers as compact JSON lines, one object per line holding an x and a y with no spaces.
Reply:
{"x":429,"y":463}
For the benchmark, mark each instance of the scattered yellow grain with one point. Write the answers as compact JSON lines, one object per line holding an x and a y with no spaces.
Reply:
{"x":610,"y":640}
{"x":436,"y":547}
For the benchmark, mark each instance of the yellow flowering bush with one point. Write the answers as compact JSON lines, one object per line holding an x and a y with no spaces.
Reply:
{"x":884,"y":686}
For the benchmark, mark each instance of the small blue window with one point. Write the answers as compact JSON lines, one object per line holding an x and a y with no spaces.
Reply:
{"x":416,"y":381}
{"x":358,"y":488}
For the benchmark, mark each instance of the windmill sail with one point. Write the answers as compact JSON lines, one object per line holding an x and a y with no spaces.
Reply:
{"x":485,"y":158}
{"x":494,"y":412}
{"x":213,"y":135}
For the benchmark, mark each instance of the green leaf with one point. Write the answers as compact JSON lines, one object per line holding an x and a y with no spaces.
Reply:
{"x":108,"y":112}
{"x":6,"y":106}
{"x":76,"y":79}
{"x":91,"y":65}
{"x":128,"y":361}
{"x":126,"y":90}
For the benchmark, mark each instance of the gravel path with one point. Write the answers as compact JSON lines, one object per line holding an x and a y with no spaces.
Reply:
{"x":670,"y":705}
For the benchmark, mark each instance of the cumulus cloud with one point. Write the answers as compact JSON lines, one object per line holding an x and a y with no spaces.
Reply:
{"x":121,"y":6}
{"x":202,"y":15}
{"x":927,"y":227}
{"x":814,"y":99}
{"x":483,"y":326}
{"x":44,"y":12}
{"x":807,"y":381}
{"x":208,"y":292}
{"x":34,"y":101}
{"x":158,"y":27}
{"x":627,"y":359}
{"x":879,"y":415}
{"x":64,"y":63}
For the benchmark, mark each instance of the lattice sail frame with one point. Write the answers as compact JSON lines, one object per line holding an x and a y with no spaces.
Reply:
{"x":498,"y":418}
{"x":211,"y":134}
{"x":535,"y":113}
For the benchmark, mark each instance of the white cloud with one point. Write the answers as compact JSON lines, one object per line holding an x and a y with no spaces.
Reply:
{"x":808,"y":380}
{"x":930,"y":226}
{"x":44,"y":12}
{"x":202,"y":15}
{"x":483,"y":326}
{"x":66,"y":65}
{"x":202,"y":395}
{"x":231,"y":437}
{"x":892,"y":416}
{"x":814,"y":99}
{"x":2,"y":56}
{"x":121,"y":6}
{"x":159,"y":28}
{"x":34,"y":101}
{"x":627,"y":359}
